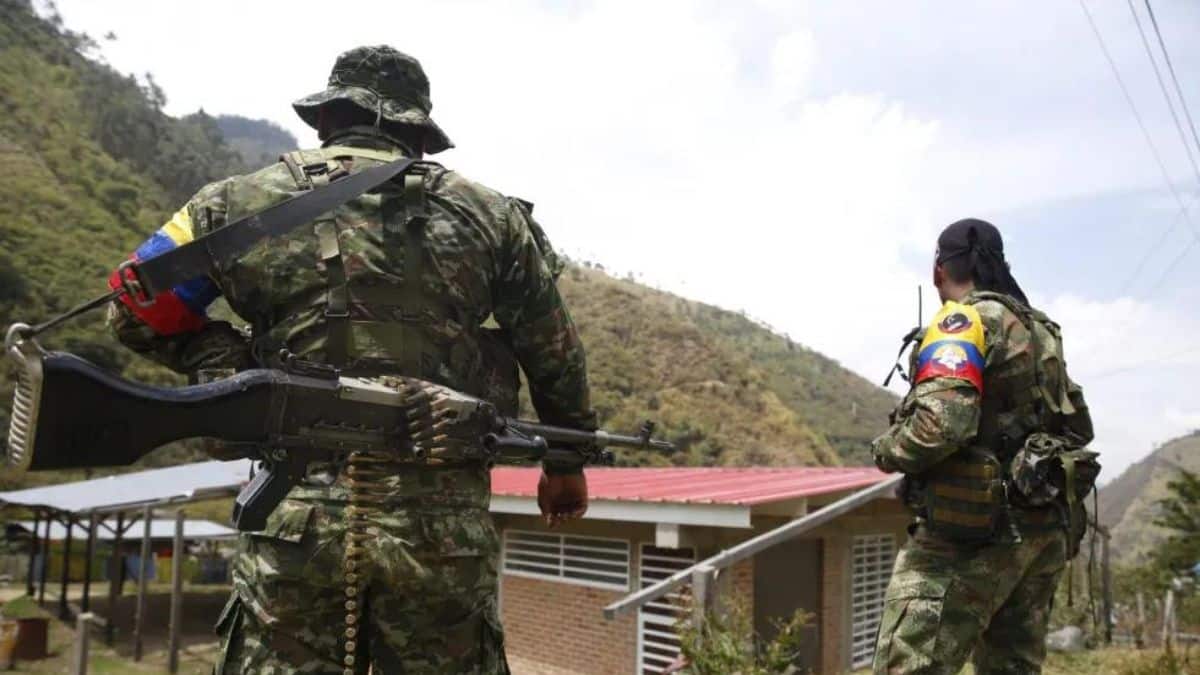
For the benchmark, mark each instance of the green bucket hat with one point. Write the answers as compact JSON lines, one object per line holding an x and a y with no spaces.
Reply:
{"x":384,"y":81}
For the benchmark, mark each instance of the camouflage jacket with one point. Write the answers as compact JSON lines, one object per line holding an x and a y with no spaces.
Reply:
{"x":481,"y":256}
{"x":975,"y":383}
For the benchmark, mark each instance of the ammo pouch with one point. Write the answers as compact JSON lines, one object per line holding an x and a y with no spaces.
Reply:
{"x":962,"y":498}
{"x":1051,"y":470}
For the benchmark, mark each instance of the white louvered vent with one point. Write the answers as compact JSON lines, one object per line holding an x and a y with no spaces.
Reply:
{"x":871,"y":568}
{"x":588,"y":561}
{"x":658,"y":644}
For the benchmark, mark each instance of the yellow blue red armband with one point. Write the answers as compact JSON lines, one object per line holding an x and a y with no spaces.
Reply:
{"x":953,"y":346}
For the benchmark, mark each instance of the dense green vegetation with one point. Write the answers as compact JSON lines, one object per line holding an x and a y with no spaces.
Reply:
{"x":727,"y":390}
{"x":95,"y":165}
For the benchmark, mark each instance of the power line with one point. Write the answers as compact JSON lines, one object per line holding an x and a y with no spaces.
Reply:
{"x":1187,"y":146}
{"x":1164,"y":361}
{"x":1171,"y":69}
{"x":1112,"y":64}
{"x":1171,"y":266}
{"x":1138,"y":116}
{"x":1162,"y":238}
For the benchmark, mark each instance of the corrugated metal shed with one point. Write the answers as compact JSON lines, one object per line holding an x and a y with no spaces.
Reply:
{"x":743,"y":486}
{"x":172,"y":485}
{"x":159,"y":529}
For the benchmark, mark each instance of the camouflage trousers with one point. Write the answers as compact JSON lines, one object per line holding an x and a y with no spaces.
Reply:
{"x":423,"y":597}
{"x":946,"y":600}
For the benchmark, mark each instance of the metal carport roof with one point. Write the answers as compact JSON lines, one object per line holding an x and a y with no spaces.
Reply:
{"x":159,"y":529}
{"x":154,"y":487}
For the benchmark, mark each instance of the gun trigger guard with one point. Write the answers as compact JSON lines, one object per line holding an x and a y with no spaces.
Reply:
{"x":132,"y":283}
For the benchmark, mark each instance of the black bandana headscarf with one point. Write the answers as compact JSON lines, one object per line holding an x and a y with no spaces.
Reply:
{"x":982,"y":243}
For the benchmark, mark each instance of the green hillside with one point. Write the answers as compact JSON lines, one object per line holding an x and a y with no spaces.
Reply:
{"x":727,"y":389}
{"x":1128,"y":504}
{"x":95,"y":165}
{"x":259,"y":142}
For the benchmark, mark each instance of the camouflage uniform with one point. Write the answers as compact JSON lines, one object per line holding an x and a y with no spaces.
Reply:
{"x":398,"y":281}
{"x":974,"y":386}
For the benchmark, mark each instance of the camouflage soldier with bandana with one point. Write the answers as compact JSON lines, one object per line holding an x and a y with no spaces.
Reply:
{"x":396,"y":282}
{"x":989,"y":390}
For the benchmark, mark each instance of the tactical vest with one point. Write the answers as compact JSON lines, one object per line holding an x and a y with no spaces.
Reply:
{"x":372,"y":324}
{"x":966,"y":496}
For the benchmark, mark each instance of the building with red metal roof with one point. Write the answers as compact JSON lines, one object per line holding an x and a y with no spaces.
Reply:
{"x":644,"y":524}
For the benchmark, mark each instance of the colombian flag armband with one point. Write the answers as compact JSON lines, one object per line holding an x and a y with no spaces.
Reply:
{"x":953,"y":346}
{"x":182,"y":308}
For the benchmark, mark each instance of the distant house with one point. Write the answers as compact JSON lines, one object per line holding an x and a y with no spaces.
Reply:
{"x":645,"y":524}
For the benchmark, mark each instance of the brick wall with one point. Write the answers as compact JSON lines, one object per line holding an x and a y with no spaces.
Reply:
{"x":738,"y":582}
{"x":553,"y":628}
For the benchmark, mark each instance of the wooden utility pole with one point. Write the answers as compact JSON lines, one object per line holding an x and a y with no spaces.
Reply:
{"x":45,"y":561}
{"x":63,"y":612}
{"x":90,"y":550}
{"x":1106,"y":583}
{"x":176,"y":594}
{"x":33,"y":554}
{"x":139,"y":621}
{"x":116,"y":575}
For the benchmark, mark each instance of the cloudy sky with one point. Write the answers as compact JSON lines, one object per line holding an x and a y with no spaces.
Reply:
{"x":793,"y":160}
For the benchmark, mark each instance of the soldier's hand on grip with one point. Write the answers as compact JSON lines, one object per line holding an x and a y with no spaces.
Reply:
{"x":562,"y":497}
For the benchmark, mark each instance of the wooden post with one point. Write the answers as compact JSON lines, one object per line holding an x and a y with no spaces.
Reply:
{"x":82,"y":635}
{"x":1168,"y":619}
{"x":33,"y":554}
{"x":90,"y":550}
{"x":116,"y":574}
{"x":139,"y":620}
{"x":63,"y":612}
{"x":45,"y":562}
{"x":176,"y":594}
{"x":1140,"y":638}
{"x":1106,"y":585}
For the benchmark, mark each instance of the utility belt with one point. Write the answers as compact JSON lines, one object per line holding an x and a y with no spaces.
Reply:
{"x":974,"y":497}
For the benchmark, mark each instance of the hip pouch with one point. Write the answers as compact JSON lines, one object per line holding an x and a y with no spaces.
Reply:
{"x":964,"y":496}
{"x":1049,"y":468}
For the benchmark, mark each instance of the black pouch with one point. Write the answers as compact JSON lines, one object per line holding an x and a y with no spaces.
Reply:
{"x":964,"y":497}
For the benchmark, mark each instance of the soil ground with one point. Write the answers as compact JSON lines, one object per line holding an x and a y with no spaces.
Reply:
{"x":198,"y":643}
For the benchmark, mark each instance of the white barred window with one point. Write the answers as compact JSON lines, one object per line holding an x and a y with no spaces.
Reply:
{"x":588,"y":561}
{"x":871,"y":568}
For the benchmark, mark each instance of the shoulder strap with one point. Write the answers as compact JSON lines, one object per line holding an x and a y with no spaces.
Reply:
{"x":201,"y":255}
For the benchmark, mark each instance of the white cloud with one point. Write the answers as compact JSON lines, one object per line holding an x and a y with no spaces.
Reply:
{"x":782,"y":158}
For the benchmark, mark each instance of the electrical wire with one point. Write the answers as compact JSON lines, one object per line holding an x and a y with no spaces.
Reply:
{"x":1112,"y":64}
{"x":1171,"y":69}
{"x":1187,"y":146}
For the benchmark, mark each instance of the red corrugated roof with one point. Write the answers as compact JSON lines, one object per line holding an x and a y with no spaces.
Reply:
{"x":699,"y":485}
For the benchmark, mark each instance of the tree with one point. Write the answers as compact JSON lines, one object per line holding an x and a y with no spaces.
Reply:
{"x":1180,"y":513}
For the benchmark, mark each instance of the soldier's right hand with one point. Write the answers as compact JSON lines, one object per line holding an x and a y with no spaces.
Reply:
{"x":562,"y":497}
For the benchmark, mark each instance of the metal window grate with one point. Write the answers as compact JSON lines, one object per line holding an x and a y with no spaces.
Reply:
{"x":658,"y":645}
{"x":871,"y":568}
{"x":588,"y":561}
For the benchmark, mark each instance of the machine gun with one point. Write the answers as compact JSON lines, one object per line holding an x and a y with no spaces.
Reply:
{"x":69,"y":413}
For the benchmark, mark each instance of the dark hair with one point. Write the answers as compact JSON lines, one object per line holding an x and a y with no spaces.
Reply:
{"x":972,"y":249}
{"x":340,"y":114}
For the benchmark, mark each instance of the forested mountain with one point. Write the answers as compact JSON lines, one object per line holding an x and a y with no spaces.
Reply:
{"x":259,"y":142}
{"x":1129,"y":503}
{"x":94,"y":165}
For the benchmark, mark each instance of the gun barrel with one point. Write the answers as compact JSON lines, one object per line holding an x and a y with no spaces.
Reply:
{"x":600,"y":439}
